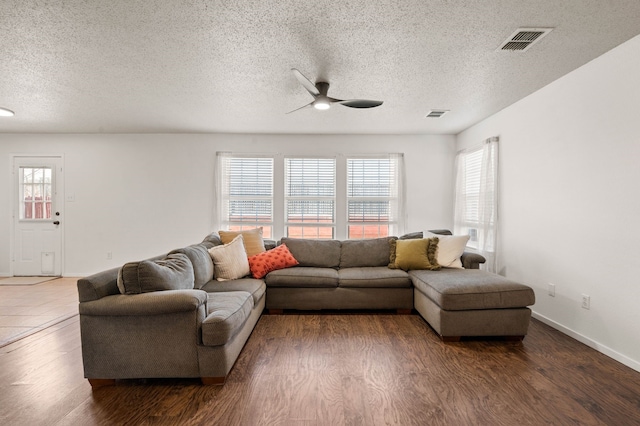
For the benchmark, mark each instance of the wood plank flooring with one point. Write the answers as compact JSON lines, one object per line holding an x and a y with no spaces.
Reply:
{"x":334,"y":370}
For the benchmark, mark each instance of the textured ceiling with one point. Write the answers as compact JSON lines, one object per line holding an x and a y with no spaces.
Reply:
{"x":159,"y":66}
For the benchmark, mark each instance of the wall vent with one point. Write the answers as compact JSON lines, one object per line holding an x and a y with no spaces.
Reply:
{"x":523,"y":38}
{"x":437,"y":113}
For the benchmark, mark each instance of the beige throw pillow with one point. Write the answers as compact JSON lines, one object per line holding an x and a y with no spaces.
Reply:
{"x":450,"y":248}
{"x":230,"y":261}
{"x":253,"y":241}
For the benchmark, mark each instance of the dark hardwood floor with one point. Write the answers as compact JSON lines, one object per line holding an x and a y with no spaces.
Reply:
{"x":334,"y":370}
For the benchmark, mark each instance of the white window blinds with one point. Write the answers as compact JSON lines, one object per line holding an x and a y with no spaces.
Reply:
{"x":310,"y":188}
{"x":373,"y":187}
{"x":245,"y":185}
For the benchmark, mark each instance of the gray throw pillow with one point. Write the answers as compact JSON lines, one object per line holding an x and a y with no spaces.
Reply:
{"x":201,"y":262}
{"x":174,"y":272}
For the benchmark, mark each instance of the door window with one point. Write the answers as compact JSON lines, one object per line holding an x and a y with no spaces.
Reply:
{"x":35,"y":193}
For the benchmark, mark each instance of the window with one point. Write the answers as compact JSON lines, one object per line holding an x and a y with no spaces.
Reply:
{"x":246,"y":193}
{"x":372,"y":197}
{"x":476,"y":201}
{"x":469,"y":195}
{"x":310,"y":197}
{"x":35,"y":191}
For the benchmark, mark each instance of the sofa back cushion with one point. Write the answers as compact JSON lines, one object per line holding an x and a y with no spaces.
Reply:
{"x":201,"y":262}
{"x":174,"y":272}
{"x":212,"y":240}
{"x":370,"y":252}
{"x":314,"y":253}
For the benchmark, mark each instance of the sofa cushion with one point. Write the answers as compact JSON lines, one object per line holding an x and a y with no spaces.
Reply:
{"x":201,"y":262}
{"x":271,"y":260}
{"x":316,"y":253}
{"x":302,"y":276}
{"x":413,"y":254}
{"x":256,"y":288}
{"x":373,"y":276}
{"x":226,"y":314}
{"x":450,"y":248}
{"x":212,"y":240}
{"x":174,"y":272}
{"x":370,"y":252}
{"x":464,"y":289}
{"x":252,"y":238}
{"x":230,"y":260}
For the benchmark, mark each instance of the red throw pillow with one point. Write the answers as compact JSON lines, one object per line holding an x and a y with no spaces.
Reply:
{"x":278,"y":258}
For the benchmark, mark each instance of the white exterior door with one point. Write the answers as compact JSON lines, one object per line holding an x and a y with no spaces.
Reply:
{"x":37,"y":216}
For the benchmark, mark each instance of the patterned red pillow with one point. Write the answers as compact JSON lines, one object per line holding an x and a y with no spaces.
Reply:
{"x":278,"y":258}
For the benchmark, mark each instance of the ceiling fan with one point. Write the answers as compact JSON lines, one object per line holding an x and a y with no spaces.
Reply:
{"x":323,"y":102}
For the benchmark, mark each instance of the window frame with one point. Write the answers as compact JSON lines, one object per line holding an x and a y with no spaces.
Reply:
{"x":340,"y":224}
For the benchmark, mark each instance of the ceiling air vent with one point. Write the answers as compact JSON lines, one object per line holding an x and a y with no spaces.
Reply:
{"x":523,"y":38}
{"x":437,"y":113}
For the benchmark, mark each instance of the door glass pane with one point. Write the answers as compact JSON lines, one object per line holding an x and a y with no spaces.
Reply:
{"x":35,"y":193}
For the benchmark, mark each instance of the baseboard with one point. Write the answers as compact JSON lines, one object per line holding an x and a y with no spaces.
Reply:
{"x":75,"y":275}
{"x":623,"y":359}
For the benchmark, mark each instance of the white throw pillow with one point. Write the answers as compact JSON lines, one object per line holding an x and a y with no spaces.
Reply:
{"x":450,"y":248}
{"x":230,"y":260}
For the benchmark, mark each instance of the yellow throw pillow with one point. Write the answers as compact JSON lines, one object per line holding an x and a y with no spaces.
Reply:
{"x":253,"y":242}
{"x":415,"y":254}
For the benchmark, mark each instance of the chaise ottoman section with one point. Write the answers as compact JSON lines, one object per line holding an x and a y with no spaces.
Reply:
{"x":461,"y":302}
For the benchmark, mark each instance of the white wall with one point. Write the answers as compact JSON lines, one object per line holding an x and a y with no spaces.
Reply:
{"x":570,"y":199}
{"x":142,"y":195}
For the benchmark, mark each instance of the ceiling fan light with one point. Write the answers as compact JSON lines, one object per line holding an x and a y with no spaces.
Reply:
{"x":322,"y":104}
{"x":6,"y":112}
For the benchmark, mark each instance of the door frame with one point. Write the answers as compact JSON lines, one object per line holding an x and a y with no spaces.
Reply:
{"x":59,"y":198}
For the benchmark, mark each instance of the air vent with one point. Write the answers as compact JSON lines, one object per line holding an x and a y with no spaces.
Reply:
{"x":523,"y":38}
{"x":437,"y":113}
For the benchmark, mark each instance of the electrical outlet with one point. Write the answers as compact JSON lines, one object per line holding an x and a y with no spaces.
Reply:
{"x":552,"y":290}
{"x":586,"y":301}
{"x":109,"y":255}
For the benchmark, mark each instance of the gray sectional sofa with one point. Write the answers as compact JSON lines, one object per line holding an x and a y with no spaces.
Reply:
{"x":169,"y":317}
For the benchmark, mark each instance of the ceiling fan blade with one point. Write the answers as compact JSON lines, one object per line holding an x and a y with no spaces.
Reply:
{"x":360,"y":103}
{"x":302,"y":107}
{"x":311,"y":88}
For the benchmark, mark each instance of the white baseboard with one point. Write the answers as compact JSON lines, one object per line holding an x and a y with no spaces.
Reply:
{"x":623,"y":359}
{"x":75,"y":275}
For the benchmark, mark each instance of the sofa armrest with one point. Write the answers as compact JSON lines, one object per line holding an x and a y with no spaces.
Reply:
{"x":145,"y":304}
{"x":98,"y":285}
{"x":472,"y":260}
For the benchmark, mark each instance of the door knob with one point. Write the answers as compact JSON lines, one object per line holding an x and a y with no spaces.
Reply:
{"x":57,"y":222}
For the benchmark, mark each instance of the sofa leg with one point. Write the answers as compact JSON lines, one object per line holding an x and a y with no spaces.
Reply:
{"x":99,"y":383}
{"x":403,"y":311}
{"x":449,"y":339}
{"x":213,"y":381}
{"x":513,"y":338}
{"x":276,"y":311}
